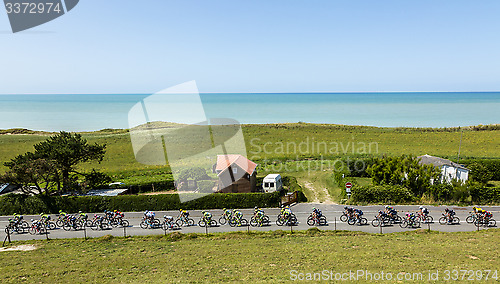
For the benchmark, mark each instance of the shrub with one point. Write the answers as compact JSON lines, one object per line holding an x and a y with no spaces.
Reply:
{"x":382,"y":194}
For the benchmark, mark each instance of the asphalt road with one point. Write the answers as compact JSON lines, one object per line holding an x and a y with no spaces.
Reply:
{"x":302,"y":211}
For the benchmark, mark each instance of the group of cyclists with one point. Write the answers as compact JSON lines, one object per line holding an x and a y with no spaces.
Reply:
{"x":481,"y":216}
{"x":235,"y":218}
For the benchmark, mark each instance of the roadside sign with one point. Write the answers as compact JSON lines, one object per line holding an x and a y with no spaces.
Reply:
{"x":348,"y":186}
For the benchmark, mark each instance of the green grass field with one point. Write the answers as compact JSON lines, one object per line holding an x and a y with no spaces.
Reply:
{"x":250,"y":258}
{"x":300,"y":143}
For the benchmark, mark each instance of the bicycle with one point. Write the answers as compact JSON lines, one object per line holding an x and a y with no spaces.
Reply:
{"x":485,"y":221}
{"x":235,"y":221}
{"x":314,"y":220}
{"x":71,"y":223}
{"x":360,"y":221}
{"x":15,"y":226}
{"x":471,"y":218}
{"x":289,"y":220}
{"x":150,"y":223}
{"x":37,"y":227}
{"x":412,"y":221}
{"x":184,"y":220}
{"x":381,"y":220}
{"x":424,"y":218}
{"x":256,"y":221}
{"x":450,"y":220}
{"x":207,"y":222}
{"x":169,"y":223}
{"x":225,"y":218}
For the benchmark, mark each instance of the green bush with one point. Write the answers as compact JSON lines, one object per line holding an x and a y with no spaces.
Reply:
{"x":382,"y":194}
{"x":492,"y":166}
{"x":22,"y":204}
{"x":484,"y":194}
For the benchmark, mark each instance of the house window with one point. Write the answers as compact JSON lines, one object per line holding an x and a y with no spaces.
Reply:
{"x":235,"y":170}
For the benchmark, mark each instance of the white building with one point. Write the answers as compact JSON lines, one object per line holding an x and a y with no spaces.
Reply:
{"x":449,"y":170}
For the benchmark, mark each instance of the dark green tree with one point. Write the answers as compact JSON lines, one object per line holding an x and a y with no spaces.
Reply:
{"x":404,"y":170}
{"x":53,"y":164}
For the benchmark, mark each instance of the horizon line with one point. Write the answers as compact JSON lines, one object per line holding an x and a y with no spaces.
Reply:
{"x":257,"y":93}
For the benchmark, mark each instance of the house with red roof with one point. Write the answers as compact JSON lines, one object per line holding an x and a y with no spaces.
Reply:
{"x":236,"y":174}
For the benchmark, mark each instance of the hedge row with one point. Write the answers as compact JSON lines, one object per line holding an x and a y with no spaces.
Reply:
{"x":22,"y":204}
{"x":388,"y":194}
{"x":491,"y":165}
{"x":482,"y":195}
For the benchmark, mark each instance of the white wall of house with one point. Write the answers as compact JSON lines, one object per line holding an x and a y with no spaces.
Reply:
{"x":449,"y":173}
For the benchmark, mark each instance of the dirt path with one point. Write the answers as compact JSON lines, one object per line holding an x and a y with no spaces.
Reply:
{"x":320,"y":195}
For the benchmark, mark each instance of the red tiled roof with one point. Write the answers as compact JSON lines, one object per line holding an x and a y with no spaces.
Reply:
{"x":224,"y":161}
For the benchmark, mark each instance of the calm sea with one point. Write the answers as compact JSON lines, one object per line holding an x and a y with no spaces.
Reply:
{"x":94,"y":112}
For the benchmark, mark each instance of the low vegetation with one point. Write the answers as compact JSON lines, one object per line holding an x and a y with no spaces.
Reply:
{"x":249,"y":257}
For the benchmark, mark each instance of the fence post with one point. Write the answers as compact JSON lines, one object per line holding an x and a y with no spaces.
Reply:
{"x":248,"y":228}
{"x":165,"y":230}
{"x":477,"y":222}
{"x":46,"y":233}
{"x":335,"y":222}
{"x":124,"y":231}
{"x":84,"y":229}
{"x":6,"y":237}
{"x":429,"y":226}
{"x":380,"y":225}
{"x":206,"y":228}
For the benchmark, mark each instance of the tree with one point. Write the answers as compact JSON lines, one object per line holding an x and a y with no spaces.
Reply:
{"x":404,"y":170}
{"x":53,"y":164}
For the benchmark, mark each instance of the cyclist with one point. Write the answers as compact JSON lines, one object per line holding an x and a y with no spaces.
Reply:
{"x":348,"y":211}
{"x":480,"y":213}
{"x":449,"y":214}
{"x":487,"y":216}
{"x":286,"y":211}
{"x":237,"y":215}
{"x":423,"y":211}
{"x":169,"y":220}
{"x":258,"y":215}
{"x":391,"y":211}
{"x":227,"y":213}
{"x":62,"y":213}
{"x":382,"y":215}
{"x":207,"y":216}
{"x":44,"y":217}
{"x":82,"y":216}
{"x":183,"y":213}
{"x":149,"y":215}
{"x":17,"y":218}
{"x":317,"y":213}
{"x":358,"y":213}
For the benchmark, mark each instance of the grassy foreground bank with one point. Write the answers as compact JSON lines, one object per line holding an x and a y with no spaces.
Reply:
{"x":242,"y":257}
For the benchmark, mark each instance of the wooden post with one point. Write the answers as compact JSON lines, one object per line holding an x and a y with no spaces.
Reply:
{"x":6,"y":237}
{"x":206,"y":228}
{"x":124,"y":231}
{"x":335,"y":222}
{"x":85,"y":230}
{"x":380,"y":225}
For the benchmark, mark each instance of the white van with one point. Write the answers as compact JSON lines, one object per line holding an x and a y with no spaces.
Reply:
{"x":272,"y":183}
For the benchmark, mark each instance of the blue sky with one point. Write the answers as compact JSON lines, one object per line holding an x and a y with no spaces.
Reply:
{"x":123,"y":46}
